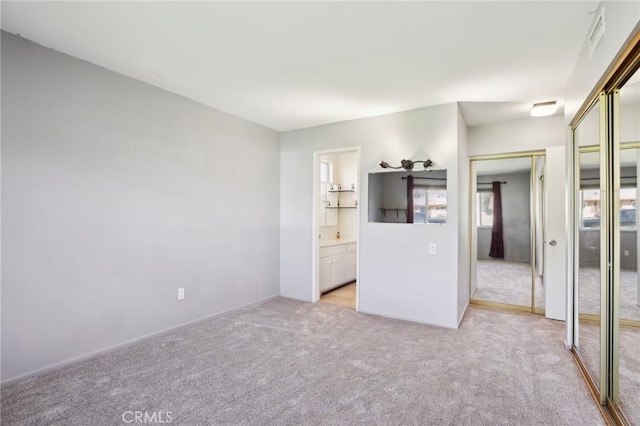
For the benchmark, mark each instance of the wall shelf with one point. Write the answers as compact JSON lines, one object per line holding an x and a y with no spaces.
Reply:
{"x":342,"y":190}
{"x":397,"y":210}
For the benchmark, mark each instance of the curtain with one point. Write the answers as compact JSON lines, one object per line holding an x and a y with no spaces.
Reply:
{"x":409,"y":199}
{"x":497,"y":240}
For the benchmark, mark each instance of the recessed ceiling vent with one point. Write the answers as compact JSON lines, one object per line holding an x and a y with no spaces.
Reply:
{"x":597,"y":31}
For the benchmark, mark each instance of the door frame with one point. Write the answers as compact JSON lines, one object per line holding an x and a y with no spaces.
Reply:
{"x":315,"y":245}
{"x":532,"y":227}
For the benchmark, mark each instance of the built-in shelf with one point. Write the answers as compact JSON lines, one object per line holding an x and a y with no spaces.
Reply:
{"x":397,"y":210}
{"x":342,"y":190}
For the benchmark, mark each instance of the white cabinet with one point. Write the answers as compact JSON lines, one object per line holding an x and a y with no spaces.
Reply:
{"x":337,"y":266}
{"x":324,"y":273}
{"x":337,"y":270}
{"x":350,"y":262}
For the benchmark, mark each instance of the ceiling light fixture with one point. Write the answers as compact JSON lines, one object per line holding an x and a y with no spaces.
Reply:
{"x":407,"y":164}
{"x":544,"y":109}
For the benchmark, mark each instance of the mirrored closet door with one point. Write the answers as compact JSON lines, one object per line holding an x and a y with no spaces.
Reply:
{"x":625,"y":362}
{"x":606,"y":247}
{"x":507,"y":205}
{"x":589,"y":276}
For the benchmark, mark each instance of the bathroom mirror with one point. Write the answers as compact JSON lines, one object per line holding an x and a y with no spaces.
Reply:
{"x":408,"y":197}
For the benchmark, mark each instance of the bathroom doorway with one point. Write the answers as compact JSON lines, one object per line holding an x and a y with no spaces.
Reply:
{"x":336,"y":227}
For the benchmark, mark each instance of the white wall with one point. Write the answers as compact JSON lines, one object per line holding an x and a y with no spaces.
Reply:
{"x":620,"y":20}
{"x":116,"y":193}
{"x":529,"y":134}
{"x":464,"y":240}
{"x":397,"y":276}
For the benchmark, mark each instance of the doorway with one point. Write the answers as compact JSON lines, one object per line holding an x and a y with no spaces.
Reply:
{"x":336,"y":227}
{"x":507,"y":231}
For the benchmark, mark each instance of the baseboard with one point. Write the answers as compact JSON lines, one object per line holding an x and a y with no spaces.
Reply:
{"x":402,"y":318}
{"x":464,"y":311}
{"x":112,"y":348}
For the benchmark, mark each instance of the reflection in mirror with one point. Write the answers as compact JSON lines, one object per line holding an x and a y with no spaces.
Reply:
{"x":408,"y":197}
{"x":502,"y":222}
{"x":540,"y":218}
{"x":629,"y":281}
{"x":587,"y":340}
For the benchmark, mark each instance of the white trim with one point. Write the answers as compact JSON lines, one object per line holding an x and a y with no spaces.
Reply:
{"x":464,"y":312}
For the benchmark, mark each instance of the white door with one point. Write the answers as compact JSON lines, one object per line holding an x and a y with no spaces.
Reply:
{"x":555,"y":255}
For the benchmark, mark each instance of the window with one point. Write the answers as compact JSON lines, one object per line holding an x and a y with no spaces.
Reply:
{"x":485,"y":208}
{"x":325,"y":171}
{"x":590,"y":208}
{"x":429,"y":205}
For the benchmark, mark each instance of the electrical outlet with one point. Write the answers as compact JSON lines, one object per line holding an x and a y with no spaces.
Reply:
{"x":626,"y":252}
{"x":432,"y":248}
{"x":181,"y":293}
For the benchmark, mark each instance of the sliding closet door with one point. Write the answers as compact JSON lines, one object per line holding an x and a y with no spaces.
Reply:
{"x":605,"y":330}
{"x":626,"y":283}
{"x":504,"y":203}
{"x":589,"y":256}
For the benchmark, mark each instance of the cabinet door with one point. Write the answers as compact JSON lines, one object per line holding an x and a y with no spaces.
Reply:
{"x":324,"y":274}
{"x":350,"y":267}
{"x":337,"y":270}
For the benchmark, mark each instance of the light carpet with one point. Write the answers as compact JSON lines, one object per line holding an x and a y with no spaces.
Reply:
{"x":288,"y":363}
{"x":505,"y":281}
{"x":589,"y":284}
{"x":629,"y":364}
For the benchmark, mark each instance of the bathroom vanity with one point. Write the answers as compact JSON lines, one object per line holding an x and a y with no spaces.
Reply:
{"x":338,"y":264}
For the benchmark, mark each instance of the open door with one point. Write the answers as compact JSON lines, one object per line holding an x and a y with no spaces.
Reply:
{"x":555,"y":250}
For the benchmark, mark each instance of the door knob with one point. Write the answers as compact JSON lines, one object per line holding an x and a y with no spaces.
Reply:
{"x":552,"y":242}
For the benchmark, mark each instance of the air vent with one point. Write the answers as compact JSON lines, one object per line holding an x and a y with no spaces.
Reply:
{"x":597,"y":31}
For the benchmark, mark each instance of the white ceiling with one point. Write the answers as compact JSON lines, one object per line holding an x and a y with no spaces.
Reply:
{"x":289,"y":65}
